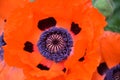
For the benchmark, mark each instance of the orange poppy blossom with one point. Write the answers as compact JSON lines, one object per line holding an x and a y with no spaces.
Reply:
{"x":110,"y":74}
{"x":54,"y":39}
{"x":109,"y":47}
{"x":109,"y":50}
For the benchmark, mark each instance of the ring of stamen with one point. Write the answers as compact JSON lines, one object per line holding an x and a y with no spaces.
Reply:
{"x":55,"y":44}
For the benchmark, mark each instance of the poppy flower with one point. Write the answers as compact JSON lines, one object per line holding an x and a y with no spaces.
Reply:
{"x":109,"y":51}
{"x":111,"y":74}
{"x":55,"y":38}
{"x":109,"y":48}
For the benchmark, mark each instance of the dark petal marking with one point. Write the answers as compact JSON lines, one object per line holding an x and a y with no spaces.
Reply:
{"x":46,"y":23}
{"x":5,"y":20}
{"x":64,"y":70}
{"x":75,"y":28}
{"x":81,"y":59}
{"x":42,"y":67}
{"x":28,"y":46}
{"x":102,"y":68}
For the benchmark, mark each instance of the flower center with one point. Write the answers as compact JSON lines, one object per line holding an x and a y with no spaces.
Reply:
{"x":55,"y":44}
{"x":116,"y":76}
{"x":113,"y":73}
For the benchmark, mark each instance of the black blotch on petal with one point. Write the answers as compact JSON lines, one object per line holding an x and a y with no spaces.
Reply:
{"x":102,"y":68}
{"x":46,"y":23}
{"x":64,"y":70}
{"x":5,"y":20}
{"x":75,"y":28}
{"x":81,"y":59}
{"x":28,"y":46}
{"x":42,"y":67}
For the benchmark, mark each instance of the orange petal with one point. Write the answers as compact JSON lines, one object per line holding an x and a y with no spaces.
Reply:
{"x":61,"y":77}
{"x":86,"y":44}
{"x":14,"y":53}
{"x":7,"y":6}
{"x":84,"y":68}
{"x":109,"y":46}
{"x":96,"y":76}
{"x":37,"y":74}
